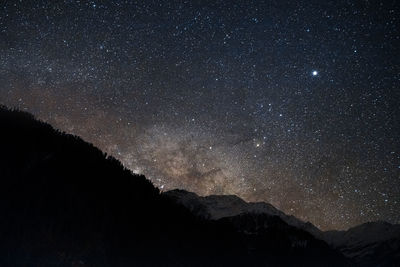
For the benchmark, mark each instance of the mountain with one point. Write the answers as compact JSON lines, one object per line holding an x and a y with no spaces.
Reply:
{"x":63,"y":202}
{"x":215,"y":207}
{"x":369,"y":244}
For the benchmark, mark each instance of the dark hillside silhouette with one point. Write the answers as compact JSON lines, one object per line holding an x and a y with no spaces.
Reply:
{"x":63,"y":202}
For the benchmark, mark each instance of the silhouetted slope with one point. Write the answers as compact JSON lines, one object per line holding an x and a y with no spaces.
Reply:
{"x":64,"y":202}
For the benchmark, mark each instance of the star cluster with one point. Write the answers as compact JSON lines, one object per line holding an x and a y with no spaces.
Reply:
{"x":290,"y":102}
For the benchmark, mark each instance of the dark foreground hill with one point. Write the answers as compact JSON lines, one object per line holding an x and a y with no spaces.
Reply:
{"x":65,"y":203}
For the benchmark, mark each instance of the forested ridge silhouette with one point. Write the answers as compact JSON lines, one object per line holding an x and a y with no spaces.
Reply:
{"x":63,"y":202}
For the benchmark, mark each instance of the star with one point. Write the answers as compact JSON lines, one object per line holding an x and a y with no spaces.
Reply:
{"x":166,"y":99}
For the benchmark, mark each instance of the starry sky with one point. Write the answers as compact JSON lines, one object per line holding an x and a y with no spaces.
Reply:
{"x":295,"y":103}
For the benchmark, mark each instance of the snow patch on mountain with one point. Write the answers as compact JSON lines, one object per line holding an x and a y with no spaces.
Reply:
{"x":215,"y":207}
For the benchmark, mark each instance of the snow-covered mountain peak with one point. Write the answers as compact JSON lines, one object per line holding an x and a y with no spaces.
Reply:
{"x":220,"y":206}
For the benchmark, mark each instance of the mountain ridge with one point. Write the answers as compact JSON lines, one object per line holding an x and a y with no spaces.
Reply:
{"x":64,"y":202}
{"x":245,"y":207}
{"x":368,"y":244}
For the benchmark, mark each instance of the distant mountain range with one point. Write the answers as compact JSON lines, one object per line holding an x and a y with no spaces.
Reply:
{"x":369,"y":244}
{"x":63,"y":202}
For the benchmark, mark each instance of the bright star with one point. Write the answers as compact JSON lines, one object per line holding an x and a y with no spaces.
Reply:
{"x":315,"y":73}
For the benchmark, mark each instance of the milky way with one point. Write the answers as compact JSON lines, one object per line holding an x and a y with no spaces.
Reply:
{"x":290,"y":102}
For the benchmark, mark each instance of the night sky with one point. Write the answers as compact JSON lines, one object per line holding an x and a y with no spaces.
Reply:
{"x":295,"y":103}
